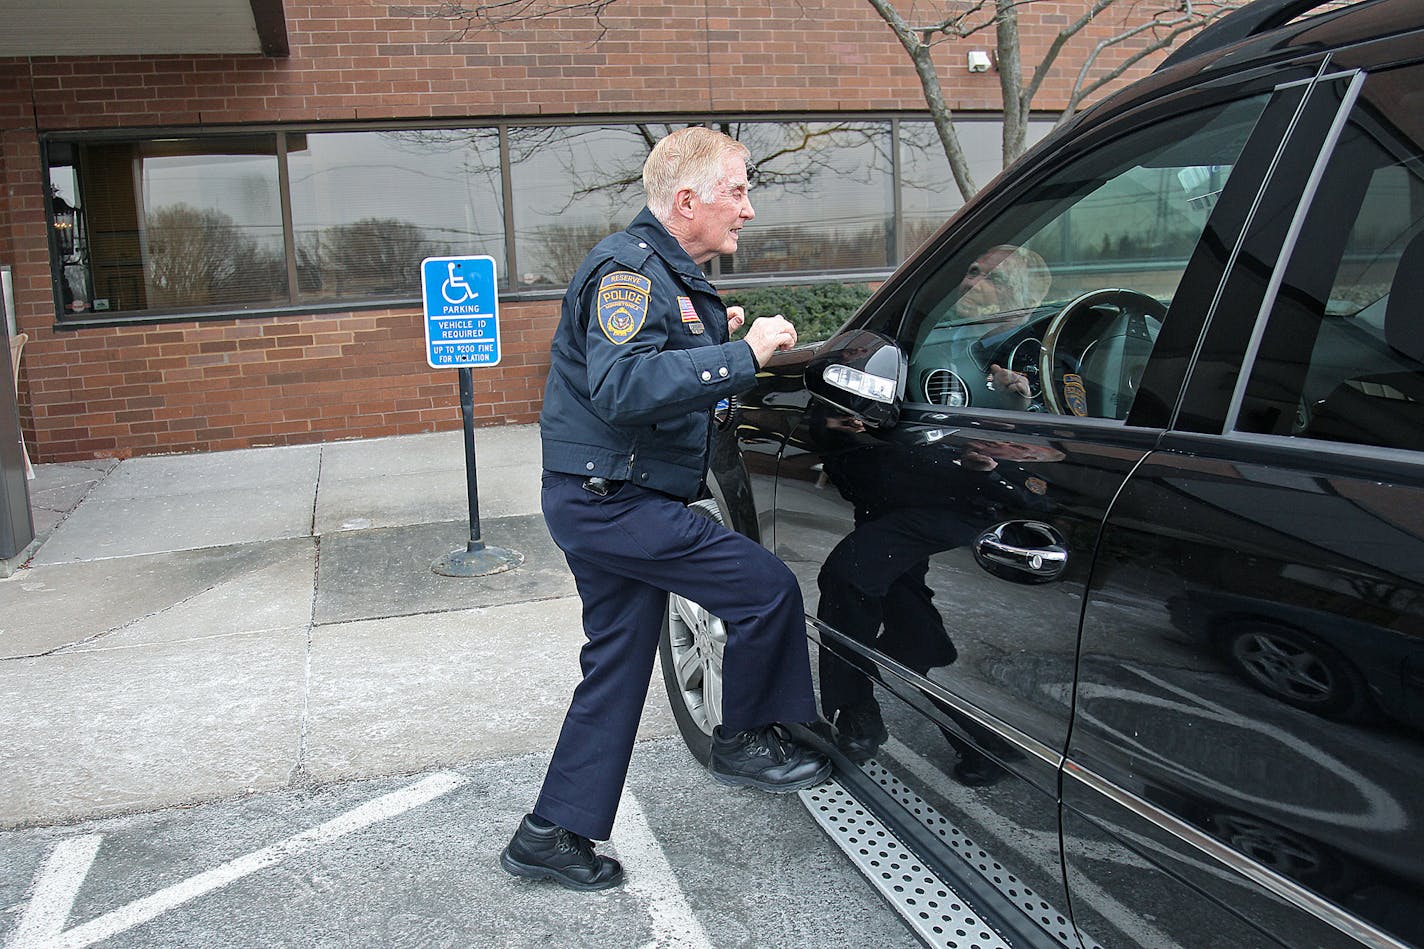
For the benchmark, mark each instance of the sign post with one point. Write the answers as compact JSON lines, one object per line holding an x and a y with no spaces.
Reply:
{"x":461,"y":331}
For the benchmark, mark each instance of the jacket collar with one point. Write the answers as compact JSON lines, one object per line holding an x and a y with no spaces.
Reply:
{"x":648,"y":228}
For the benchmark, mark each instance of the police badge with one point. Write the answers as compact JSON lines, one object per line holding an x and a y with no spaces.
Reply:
{"x":622,"y":305}
{"x":1075,"y":393}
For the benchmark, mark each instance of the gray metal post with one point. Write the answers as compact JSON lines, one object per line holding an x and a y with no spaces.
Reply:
{"x":17,"y":527}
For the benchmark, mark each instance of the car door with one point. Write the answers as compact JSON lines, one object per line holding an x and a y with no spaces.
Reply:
{"x":1247,"y":723}
{"x":944,"y":543}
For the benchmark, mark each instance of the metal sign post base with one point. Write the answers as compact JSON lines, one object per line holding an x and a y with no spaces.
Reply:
{"x":480,"y":562}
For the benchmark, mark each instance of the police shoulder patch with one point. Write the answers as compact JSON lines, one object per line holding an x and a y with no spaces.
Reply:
{"x":623,"y":305}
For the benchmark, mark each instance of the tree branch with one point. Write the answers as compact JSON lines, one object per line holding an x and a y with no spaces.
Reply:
{"x":919,"y":52}
{"x":500,"y":13}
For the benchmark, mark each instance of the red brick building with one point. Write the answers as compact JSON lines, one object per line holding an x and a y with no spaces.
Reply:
{"x":124,"y":174}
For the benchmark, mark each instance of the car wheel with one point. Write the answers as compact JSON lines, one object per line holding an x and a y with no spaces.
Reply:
{"x":1299,"y":670}
{"x":691,"y":650}
{"x":1286,"y":852}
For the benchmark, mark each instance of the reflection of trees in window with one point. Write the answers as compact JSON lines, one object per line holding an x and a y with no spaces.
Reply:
{"x":844,"y":169}
{"x":788,"y":155}
{"x":617,"y":175}
{"x":563,"y":247}
{"x":800,"y":156}
{"x":813,"y":247}
{"x":199,"y":256}
{"x":572,"y":186}
{"x":373,"y":255}
{"x":369,"y":206}
{"x":924,"y":167}
{"x":1139,"y":216}
{"x":595,"y":172}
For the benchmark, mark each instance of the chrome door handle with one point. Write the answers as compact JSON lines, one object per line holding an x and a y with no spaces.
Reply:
{"x":1029,"y":547}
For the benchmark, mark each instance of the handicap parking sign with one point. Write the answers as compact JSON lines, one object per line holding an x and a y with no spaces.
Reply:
{"x":461,"y":311}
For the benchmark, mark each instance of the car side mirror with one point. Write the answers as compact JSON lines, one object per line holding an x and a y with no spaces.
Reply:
{"x":861,"y":373}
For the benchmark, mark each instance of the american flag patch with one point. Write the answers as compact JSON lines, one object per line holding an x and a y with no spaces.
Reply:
{"x":689,"y":313}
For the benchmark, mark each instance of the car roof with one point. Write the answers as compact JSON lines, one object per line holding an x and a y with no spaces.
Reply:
{"x":1270,"y":30}
{"x":1254,"y":19}
{"x":1259,"y":40}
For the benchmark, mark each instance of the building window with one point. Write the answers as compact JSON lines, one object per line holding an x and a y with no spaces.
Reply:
{"x":823,"y":194}
{"x":173,"y":224}
{"x":572,"y":187}
{"x":177,"y":227}
{"x":368,"y":207}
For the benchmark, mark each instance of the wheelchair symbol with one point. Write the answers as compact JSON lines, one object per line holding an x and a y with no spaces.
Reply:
{"x":455,"y":289}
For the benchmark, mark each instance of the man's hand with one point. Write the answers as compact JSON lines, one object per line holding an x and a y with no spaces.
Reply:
{"x":975,"y":459}
{"x":770,"y":334}
{"x":736,"y":316}
{"x":1006,"y":380}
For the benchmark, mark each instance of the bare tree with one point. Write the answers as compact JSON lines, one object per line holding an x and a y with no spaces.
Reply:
{"x":932,"y":31}
{"x":1147,"y":27}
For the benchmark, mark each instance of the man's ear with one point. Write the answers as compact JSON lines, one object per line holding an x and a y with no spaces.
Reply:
{"x":684,"y":203}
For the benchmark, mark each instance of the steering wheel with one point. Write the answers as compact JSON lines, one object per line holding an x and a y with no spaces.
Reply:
{"x":1024,"y":359}
{"x":1094,"y":352}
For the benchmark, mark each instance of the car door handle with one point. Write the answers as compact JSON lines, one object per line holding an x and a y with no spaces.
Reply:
{"x":1029,"y":547}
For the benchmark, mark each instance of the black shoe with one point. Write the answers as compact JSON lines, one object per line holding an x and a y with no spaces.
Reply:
{"x":860,"y":731}
{"x":975,"y":770}
{"x":563,"y":856}
{"x":765,"y":758}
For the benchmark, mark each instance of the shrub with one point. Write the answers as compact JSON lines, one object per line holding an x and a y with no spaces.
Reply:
{"x":816,"y":310}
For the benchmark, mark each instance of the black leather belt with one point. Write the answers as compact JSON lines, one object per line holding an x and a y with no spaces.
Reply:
{"x":602,"y":487}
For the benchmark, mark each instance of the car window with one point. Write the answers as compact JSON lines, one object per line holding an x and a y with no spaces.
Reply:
{"x":1055,"y":307}
{"x":1342,"y":355}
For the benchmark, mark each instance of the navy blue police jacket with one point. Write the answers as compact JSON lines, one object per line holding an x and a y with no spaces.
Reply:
{"x":639,"y":361}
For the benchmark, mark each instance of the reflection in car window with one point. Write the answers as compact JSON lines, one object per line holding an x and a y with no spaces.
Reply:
{"x":1342,"y":358}
{"x":1055,"y":307}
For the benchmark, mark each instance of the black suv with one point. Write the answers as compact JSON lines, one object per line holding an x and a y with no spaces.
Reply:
{"x":1109,"y":509}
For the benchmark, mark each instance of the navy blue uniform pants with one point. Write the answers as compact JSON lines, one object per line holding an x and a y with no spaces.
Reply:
{"x":627,"y":551}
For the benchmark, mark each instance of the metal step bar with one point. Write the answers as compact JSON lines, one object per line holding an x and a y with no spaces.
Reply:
{"x":936,"y":913}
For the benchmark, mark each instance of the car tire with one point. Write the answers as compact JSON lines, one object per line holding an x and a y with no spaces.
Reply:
{"x":691,"y":651}
{"x":1299,"y":670}
{"x":1288,"y":853}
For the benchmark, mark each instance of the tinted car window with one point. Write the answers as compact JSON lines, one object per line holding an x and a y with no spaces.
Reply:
{"x":1342,"y":356}
{"x":1070,"y":288}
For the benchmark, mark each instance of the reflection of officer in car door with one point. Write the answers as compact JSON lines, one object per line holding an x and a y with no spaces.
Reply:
{"x":910,"y":502}
{"x":640,"y":358}
{"x":996,"y":296}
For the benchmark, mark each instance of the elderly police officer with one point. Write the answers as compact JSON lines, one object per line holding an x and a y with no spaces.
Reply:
{"x":641,"y":356}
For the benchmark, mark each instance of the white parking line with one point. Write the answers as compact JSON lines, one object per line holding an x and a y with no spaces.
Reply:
{"x":42,"y":926}
{"x":652,"y":877}
{"x":55,"y":891}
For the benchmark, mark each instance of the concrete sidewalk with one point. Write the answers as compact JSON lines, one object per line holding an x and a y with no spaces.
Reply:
{"x":195,"y":628}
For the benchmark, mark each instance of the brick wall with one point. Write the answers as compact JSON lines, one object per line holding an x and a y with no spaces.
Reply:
{"x":270,"y":381}
{"x":236,"y":383}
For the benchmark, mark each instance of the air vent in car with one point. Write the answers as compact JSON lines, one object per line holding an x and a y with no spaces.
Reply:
{"x":944,"y":387}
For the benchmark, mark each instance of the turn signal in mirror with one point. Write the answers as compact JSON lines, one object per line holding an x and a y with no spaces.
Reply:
{"x":861,"y":383}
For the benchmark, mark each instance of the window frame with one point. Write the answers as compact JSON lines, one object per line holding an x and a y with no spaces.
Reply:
{"x":1302,"y":445}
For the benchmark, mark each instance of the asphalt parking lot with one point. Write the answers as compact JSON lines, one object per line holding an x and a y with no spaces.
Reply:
{"x":242,"y":711}
{"x":410,"y":861}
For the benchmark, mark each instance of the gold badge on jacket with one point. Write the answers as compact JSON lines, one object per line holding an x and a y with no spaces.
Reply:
{"x":623,"y":305}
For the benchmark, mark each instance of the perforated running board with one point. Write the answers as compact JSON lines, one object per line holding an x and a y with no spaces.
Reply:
{"x":930,"y":906}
